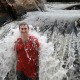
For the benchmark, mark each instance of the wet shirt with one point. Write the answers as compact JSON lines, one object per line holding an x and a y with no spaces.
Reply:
{"x":27,"y":56}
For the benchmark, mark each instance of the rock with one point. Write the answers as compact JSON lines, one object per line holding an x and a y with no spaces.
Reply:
{"x":78,"y":22}
{"x":11,"y":75}
{"x":16,"y":8}
{"x":20,"y":5}
{"x":30,"y":5}
{"x":64,"y":78}
{"x":3,"y":18}
{"x":63,"y":65}
{"x":62,"y":0}
{"x":12,"y":9}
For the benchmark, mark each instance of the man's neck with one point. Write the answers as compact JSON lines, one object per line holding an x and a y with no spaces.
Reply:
{"x":25,"y":38}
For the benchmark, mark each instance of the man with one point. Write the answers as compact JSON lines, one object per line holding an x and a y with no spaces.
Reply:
{"x":27,"y":48}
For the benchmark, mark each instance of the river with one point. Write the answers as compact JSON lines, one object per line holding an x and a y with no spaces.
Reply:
{"x":59,"y":37}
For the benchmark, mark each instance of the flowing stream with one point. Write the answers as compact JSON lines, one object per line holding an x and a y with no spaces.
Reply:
{"x":59,"y":37}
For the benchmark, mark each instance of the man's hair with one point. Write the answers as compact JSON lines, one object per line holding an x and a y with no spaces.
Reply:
{"x":23,"y":24}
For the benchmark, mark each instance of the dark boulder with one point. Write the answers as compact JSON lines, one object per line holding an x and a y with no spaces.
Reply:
{"x":16,"y":8}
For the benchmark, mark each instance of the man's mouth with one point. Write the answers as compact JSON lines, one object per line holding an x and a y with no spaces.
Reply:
{"x":24,"y":32}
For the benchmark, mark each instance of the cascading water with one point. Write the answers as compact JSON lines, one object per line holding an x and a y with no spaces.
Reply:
{"x":59,"y":37}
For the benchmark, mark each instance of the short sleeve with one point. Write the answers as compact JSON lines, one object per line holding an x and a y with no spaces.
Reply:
{"x":18,"y":45}
{"x":36,"y":42}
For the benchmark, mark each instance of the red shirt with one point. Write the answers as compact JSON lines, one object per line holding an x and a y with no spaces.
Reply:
{"x":27,"y":56}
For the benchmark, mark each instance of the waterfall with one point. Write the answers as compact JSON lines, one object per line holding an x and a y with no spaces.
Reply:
{"x":59,"y":39}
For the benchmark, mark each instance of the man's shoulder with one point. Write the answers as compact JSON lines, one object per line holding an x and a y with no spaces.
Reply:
{"x":33,"y":37}
{"x":18,"y":40}
{"x":35,"y":42}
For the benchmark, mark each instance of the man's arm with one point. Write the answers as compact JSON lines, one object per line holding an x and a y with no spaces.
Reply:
{"x":18,"y":45}
{"x":35,"y":43}
{"x":37,"y":48}
{"x":15,"y":44}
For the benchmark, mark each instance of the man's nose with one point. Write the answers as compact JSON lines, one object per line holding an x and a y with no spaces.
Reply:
{"x":24,"y":30}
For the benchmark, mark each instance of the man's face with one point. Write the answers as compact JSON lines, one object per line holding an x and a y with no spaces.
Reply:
{"x":24,"y":29}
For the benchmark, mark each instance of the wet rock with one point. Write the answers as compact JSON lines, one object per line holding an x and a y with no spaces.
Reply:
{"x":12,"y":10}
{"x":3,"y":18}
{"x":64,"y":78}
{"x":22,"y":5}
{"x":63,"y":65}
{"x":74,"y":72}
{"x":62,"y":0}
{"x":16,"y":8}
{"x":73,"y":7}
{"x":11,"y":75}
{"x":78,"y":22}
{"x":30,"y":4}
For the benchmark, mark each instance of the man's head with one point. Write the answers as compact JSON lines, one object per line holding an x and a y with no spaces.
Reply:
{"x":23,"y":28}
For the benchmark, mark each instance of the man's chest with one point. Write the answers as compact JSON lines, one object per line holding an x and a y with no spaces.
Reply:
{"x":29,"y":46}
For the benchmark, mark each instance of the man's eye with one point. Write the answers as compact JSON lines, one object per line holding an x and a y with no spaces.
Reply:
{"x":23,"y":28}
